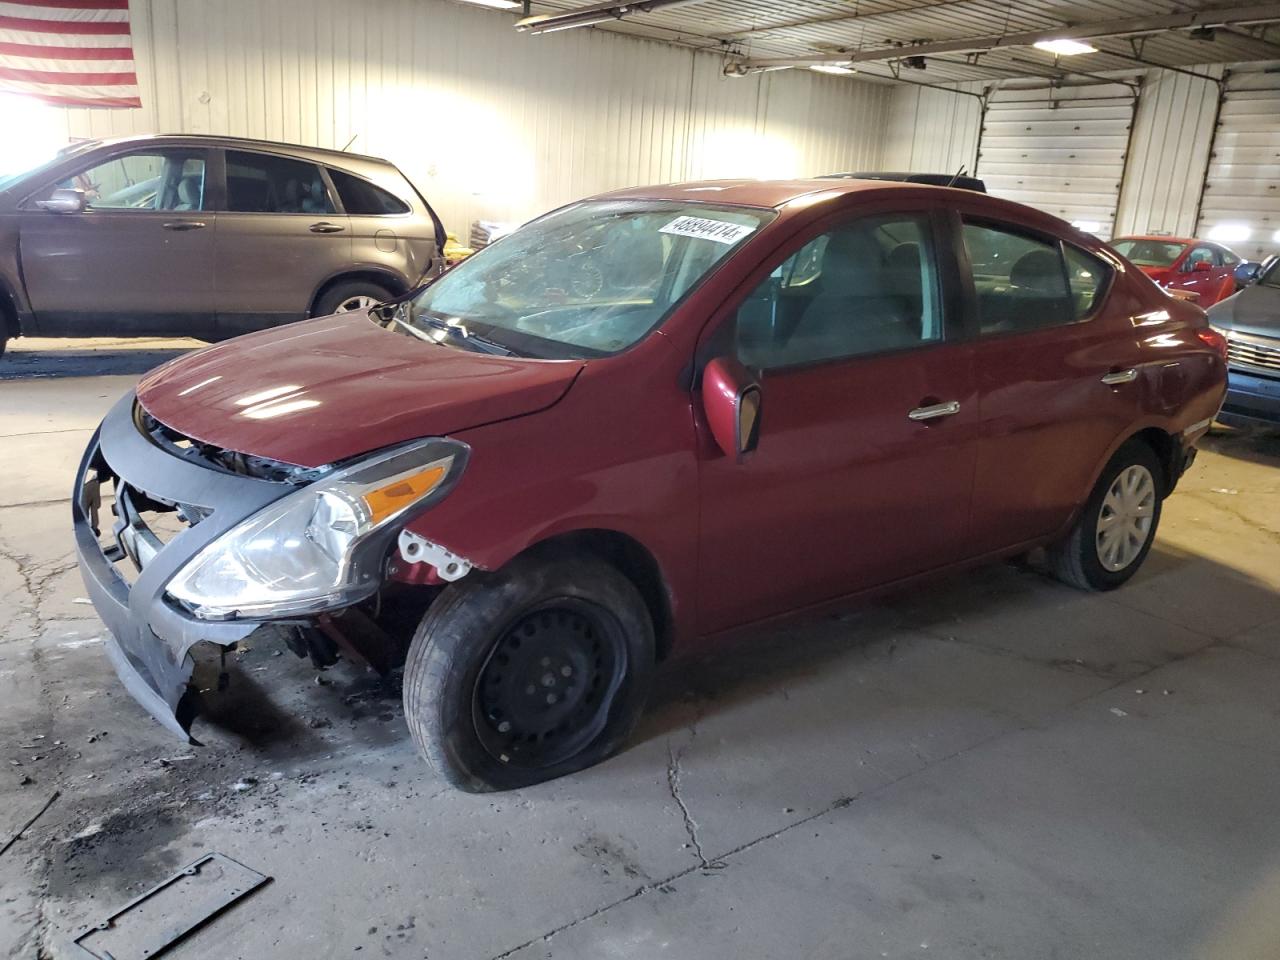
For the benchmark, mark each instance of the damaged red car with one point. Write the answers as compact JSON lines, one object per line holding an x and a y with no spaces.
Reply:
{"x":638,"y":421}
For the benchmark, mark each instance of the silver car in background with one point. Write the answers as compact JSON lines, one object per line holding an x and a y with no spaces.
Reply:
{"x":206,"y":237}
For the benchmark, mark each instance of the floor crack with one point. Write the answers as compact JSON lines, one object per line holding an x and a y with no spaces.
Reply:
{"x":690,"y":824}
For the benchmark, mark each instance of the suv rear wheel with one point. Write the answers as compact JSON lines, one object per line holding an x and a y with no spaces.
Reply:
{"x":528,"y":674}
{"x":1118,"y":524}
{"x":350,"y":295}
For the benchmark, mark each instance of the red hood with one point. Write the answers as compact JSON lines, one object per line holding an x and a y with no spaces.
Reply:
{"x":321,"y":391}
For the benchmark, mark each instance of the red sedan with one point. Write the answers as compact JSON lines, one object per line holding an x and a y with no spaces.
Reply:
{"x":1201,"y":267}
{"x":636,"y":422}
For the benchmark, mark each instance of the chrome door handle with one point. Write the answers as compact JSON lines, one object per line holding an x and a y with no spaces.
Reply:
{"x":1120,"y":376}
{"x":181,"y":225}
{"x":935,"y":410}
{"x":324,"y":227}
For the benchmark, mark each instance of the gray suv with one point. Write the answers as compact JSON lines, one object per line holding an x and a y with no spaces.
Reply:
{"x":207,"y":237}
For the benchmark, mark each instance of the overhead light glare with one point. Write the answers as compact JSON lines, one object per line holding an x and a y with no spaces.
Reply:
{"x":1064,"y":47}
{"x":835,"y":68}
{"x":1275,"y":237}
{"x":495,"y":4}
{"x":1231,"y":232}
{"x":1087,"y":226}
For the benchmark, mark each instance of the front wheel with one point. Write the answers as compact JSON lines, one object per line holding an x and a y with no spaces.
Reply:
{"x":350,"y":295}
{"x":1118,"y":524}
{"x":528,"y":674}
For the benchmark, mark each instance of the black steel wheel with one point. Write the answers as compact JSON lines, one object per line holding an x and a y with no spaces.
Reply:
{"x":529,"y":673}
{"x":544,"y":691}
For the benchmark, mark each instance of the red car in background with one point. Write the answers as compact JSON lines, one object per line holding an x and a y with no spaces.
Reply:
{"x":1183,"y":264}
{"x":634,"y":423}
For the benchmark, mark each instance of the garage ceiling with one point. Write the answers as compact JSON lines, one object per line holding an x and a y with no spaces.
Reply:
{"x":766,"y":29}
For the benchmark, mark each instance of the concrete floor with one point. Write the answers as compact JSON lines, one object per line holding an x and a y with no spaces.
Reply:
{"x":992,"y":766}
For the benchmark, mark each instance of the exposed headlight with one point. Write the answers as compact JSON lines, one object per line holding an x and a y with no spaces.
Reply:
{"x":308,"y":551}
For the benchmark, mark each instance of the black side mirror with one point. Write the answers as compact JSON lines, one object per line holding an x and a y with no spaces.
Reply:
{"x":1246,"y":273}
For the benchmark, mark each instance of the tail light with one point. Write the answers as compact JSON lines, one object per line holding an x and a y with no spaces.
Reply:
{"x":1213,"y":338}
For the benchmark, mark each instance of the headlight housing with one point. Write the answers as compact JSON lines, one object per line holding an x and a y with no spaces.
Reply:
{"x":317,"y":549}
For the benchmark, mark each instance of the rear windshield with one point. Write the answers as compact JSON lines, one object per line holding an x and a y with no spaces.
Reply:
{"x":589,"y":280}
{"x":1148,"y":253}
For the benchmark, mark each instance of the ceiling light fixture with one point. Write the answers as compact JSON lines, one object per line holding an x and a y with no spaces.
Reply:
{"x":495,"y":4}
{"x":832,"y":68}
{"x":588,"y":16}
{"x":1064,"y":47}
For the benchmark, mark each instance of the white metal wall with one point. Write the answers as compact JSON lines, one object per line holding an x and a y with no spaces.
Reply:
{"x":933,"y":131}
{"x":489,"y":123}
{"x":1170,"y":151}
{"x":1242,"y":190}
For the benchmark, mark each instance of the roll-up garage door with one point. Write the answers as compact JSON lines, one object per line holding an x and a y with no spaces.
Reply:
{"x":1060,"y":149}
{"x":1241,"y":203}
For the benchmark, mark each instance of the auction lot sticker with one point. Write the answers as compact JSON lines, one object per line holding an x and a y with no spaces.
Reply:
{"x":704,"y":229}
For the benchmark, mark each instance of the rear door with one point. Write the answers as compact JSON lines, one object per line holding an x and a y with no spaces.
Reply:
{"x":137,"y":260}
{"x":280,"y":239}
{"x":1045,"y":338}
{"x":1200,"y":272}
{"x":847,"y":489}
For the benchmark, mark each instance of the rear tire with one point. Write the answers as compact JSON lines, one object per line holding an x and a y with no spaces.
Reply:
{"x":350,"y":295}
{"x":528,"y":674}
{"x":1114,"y":532}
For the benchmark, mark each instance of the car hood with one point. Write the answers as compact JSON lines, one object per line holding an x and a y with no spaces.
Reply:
{"x":322,"y":391}
{"x":1255,"y":310}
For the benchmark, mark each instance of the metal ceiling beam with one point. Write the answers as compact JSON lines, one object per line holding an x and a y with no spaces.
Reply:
{"x":840,"y":18}
{"x":596,"y":13}
{"x":1126,"y":27}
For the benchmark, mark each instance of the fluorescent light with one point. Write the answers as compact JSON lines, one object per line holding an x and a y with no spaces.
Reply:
{"x":1064,"y":47}
{"x":832,"y":68}
{"x":1231,"y":232}
{"x":1087,"y":226}
{"x":495,"y":4}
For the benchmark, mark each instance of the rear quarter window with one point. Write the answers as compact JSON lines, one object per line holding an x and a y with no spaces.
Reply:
{"x":361,"y":197}
{"x":1088,"y":277}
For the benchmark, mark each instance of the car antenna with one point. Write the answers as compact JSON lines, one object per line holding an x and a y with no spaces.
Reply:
{"x":956,"y":176}
{"x":348,"y":144}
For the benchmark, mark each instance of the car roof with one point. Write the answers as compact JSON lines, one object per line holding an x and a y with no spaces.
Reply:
{"x":769,"y":194}
{"x":318,"y":154}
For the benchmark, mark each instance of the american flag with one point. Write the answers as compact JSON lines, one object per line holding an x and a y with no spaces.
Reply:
{"x":71,"y":52}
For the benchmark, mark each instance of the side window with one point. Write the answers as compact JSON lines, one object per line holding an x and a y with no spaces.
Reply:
{"x":261,"y":183}
{"x":169,"y":180}
{"x":1087,"y":276}
{"x":1020,"y":281}
{"x":1197,"y":255}
{"x":1226,"y":258}
{"x":866,"y":287}
{"x":362,"y":198}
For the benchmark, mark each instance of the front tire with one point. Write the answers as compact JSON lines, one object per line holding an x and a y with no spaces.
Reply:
{"x":1114,"y":532}
{"x":350,"y":295}
{"x":528,"y":674}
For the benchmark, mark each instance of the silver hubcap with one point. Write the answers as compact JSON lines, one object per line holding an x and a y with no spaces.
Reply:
{"x":1124,"y":523}
{"x":361,"y":302}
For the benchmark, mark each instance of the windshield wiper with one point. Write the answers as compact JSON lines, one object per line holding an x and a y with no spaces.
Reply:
{"x":458,"y":332}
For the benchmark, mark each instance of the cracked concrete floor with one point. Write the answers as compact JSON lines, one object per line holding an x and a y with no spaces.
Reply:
{"x":990,"y":766}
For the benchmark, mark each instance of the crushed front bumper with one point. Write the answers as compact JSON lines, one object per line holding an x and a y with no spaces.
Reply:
{"x":151,"y":637}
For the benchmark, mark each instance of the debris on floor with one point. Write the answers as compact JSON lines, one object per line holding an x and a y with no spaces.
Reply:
{"x":27,"y":826}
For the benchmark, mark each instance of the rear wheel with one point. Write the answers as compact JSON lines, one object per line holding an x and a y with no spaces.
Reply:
{"x":1118,"y":524}
{"x":350,"y":295}
{"x":528,"y":674}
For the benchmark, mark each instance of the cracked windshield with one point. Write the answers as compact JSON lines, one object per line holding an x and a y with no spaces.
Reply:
{"x":587,"y":281}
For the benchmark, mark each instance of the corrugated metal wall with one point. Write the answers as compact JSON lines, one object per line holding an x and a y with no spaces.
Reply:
{"x":489,"y":123}
{"x":1168,"y":153}
{"x":932,"y":130}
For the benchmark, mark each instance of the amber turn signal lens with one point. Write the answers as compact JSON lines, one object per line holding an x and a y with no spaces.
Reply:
{"x":395,"y":496}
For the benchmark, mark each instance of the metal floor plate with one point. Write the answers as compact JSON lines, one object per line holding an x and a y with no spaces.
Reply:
{"x":150,"y":924}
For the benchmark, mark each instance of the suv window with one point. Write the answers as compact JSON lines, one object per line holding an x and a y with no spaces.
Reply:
{"x":169,"y":180}
{"x":362,"y":198}
{"x":1020,"y":281}
{"x":867,"y":287}
{"x":261,"y":183}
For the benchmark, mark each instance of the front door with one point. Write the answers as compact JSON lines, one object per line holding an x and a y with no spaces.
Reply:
{"x":280,"y":238}
{"x":137,"y":260}
{"x":865,"y":458}
{"x":1201,"y":272}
